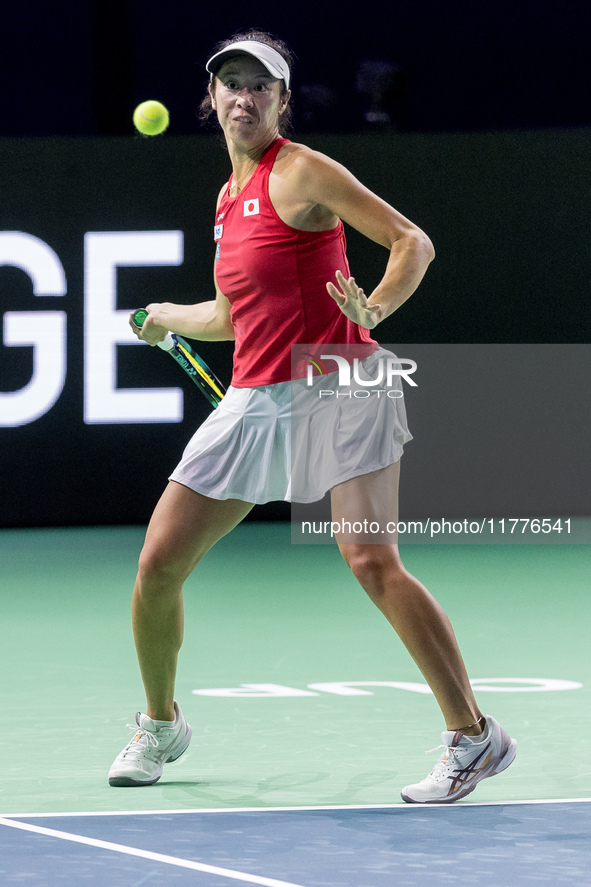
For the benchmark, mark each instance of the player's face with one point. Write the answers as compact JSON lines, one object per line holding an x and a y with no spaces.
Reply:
{"x":247,"y":100}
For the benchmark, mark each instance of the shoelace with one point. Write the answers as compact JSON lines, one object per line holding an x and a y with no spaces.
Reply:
{"x":449,"y":753}
{"x":135,"y":746}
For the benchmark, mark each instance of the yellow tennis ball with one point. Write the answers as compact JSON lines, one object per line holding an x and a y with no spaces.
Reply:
{"x":150,"y":118}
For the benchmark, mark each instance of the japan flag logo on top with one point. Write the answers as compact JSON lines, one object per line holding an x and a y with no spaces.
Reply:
{"x":251,"y":207}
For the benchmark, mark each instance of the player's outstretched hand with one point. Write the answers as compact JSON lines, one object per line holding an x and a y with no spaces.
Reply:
{"x":353,"y":302}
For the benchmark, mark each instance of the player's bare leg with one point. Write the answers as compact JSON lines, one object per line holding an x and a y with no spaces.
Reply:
{"x":184,"y":526}
{"x":416,"y":616}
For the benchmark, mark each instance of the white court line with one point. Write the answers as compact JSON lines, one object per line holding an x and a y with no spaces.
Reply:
{"x":148,"y":854}
{"x":161,"y":811}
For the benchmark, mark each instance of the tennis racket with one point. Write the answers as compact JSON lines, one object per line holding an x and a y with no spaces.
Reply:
{"x":186,"y":356}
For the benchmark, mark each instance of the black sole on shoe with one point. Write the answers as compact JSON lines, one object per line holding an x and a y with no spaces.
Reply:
{"x":126,"y":782}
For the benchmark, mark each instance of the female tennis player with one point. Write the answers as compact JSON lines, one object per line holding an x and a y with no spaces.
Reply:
{"x":282,"y":278}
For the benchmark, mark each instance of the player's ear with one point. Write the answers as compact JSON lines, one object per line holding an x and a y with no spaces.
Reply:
{"x":211,"y":91}
{"x":285,"y":101}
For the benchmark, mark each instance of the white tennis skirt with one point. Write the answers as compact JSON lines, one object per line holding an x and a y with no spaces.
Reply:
{"x":294,"y":441}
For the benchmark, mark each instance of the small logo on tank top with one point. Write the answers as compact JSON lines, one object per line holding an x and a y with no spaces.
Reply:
{"x":217,"y":232}
{"x":251,"y":207}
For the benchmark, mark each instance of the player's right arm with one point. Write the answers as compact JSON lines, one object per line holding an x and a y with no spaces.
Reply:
{"x":207,"y":321}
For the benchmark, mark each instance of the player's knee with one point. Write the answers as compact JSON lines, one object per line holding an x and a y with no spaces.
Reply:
{"x":373,"y":564}
{"x":157,"y":570}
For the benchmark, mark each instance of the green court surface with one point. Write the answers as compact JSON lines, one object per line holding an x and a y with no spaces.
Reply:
{"x":260,"y":611}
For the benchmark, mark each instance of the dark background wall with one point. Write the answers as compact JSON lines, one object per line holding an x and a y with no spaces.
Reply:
{"x":79,"y":67}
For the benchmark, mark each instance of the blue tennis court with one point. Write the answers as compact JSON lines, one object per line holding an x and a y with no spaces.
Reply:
{"x":485,"y":844}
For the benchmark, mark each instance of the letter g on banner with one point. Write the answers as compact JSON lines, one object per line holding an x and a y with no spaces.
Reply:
{"x":44,"y":330}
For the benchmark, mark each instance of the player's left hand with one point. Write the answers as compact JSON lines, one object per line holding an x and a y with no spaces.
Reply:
{"x":353,"y":302}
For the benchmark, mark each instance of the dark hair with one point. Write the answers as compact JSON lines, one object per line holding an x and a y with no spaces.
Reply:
{"x":205,"y":110}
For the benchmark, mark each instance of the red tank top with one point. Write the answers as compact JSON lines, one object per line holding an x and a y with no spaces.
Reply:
{"x":275,"y":279}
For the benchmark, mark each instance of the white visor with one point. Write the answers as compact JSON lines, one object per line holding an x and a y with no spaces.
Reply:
{"x":269,"y":57}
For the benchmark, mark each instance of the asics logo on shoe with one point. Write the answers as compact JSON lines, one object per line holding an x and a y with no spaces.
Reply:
{"x":160,"y":755}
{"x":465,"y":774}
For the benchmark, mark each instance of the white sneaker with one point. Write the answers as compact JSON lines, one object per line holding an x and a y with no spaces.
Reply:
{"x":465,"y":761}
{"x":142,"y":759}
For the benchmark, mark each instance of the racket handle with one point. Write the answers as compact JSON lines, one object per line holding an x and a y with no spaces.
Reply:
{"x":138,"y":318}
